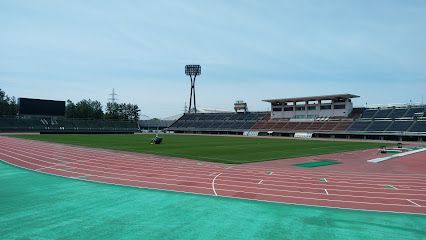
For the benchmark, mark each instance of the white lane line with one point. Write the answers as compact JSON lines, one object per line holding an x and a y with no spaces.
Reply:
{"x":413,"y":203}
{"x":214,"y":179}
{"x":86,"y":150}
{"x":211,"y":174}
{"x":251,"y":199}
{"x":326,"y":192}
{"x":260,"y":181}
{"x":293,"y":197}
{"x":81,"y":149}
{"x":54,"y":165}
{"x":127,"y":175}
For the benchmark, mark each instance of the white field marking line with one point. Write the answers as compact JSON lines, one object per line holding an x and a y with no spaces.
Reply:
{"x":148,"y":172}
{"x":114,"y":162}
{"x":413,"y":203}
{"x":133,"y":166}
{"x":85,"y":170}
{"x":250,"y":199}
{"x":360,"y":177}
{"x":211,"y":174}
{"x":98,"y":151}
{"x":54,"y":165}
{"x":325,"y":179}
{"x":172,"y":184}
{"x":378,"y":160}
{"x":114,"y":151}
{"x":143,"y":159}
{"x":352,"y":176}
{"x":281,"y":179}
{"x":199,"y":178}
{"x":214,"y":179}
{"x":175,"y":157}
{"x":260,"y":181}
{"x":108,"y":163}
{"x":273,"y":195}
{"x":168,"y":177}
{"x":413,"y":175}
{"x":326,"y":192}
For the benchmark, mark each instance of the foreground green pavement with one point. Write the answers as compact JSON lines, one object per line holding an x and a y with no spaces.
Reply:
{"x":39,"y":206}
{"x":223,"y":149}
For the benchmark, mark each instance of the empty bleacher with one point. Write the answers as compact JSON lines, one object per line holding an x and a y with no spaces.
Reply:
{"x":369,"y":113}
{"x":14,"y":124}
{"x":415,"y":110}
{"x":217,"y":121}
{"x":383,"y":121}
{"x":400,"y":125}
{"x":418,"y":126}
{"x":388,"y":120}
{"x":359,"y":126}
{"x":379,"y":126}
{"x":302,"y":126}
{"x":383,"y":113}
{"x":397,"y":113}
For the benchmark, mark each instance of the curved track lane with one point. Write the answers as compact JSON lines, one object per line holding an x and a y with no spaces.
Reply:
{"x":364,"y":191}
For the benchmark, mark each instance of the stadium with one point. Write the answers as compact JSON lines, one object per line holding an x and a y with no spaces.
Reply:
{"x":316,"y":163}
{"x":362,"y":159}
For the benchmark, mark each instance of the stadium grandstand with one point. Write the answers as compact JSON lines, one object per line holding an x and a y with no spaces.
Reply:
{"x":48,"y":116}
{"x":331,"y":116}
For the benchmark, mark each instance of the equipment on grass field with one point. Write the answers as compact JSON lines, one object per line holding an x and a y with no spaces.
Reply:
{"x":156,"y":140}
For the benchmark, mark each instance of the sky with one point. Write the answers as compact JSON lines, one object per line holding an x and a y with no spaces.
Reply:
{"x":248,"y":50}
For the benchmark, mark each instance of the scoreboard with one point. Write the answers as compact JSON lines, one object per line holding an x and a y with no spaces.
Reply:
{"x":29,"y":106}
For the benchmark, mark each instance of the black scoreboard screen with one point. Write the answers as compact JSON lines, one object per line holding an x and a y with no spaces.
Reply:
{"x":29,"y":106}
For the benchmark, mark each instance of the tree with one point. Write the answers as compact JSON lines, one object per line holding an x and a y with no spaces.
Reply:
{"x":122,"y":111}
{"x":84,"y":109}
{"x":70,"y":109}
{"x":8,"y":105}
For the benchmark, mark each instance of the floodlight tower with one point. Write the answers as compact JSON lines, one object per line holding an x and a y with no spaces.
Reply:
{"x":192,"y":71}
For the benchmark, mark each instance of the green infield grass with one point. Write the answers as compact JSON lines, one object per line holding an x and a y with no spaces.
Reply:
{"x":40,"y":206}
{"x":222,"y":149}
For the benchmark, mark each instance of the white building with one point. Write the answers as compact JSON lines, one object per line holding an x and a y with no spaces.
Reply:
{"x":338,"y":105}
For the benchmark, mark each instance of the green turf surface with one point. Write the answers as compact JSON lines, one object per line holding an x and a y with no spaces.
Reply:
{"x":39,"y":206}
{"x":210,"y":148}
{"x":316,"y":164}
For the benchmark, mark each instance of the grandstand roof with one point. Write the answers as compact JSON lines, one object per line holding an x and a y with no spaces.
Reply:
{"x":313,"y":98}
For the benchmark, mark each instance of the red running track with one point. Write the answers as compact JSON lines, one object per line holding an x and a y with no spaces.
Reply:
{"x":349,"y":190}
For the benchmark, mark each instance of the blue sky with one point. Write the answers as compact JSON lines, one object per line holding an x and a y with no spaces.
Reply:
{"x":249,"y":50}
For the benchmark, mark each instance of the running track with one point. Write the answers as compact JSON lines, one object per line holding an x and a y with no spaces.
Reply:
{"x":363,"y":191}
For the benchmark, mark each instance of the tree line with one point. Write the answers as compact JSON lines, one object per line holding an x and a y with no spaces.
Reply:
{"x":91,"y":109}
{"x":94,"y":110}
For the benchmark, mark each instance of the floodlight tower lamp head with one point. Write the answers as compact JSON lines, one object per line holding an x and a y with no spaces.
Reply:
{"x":193,"y":70}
